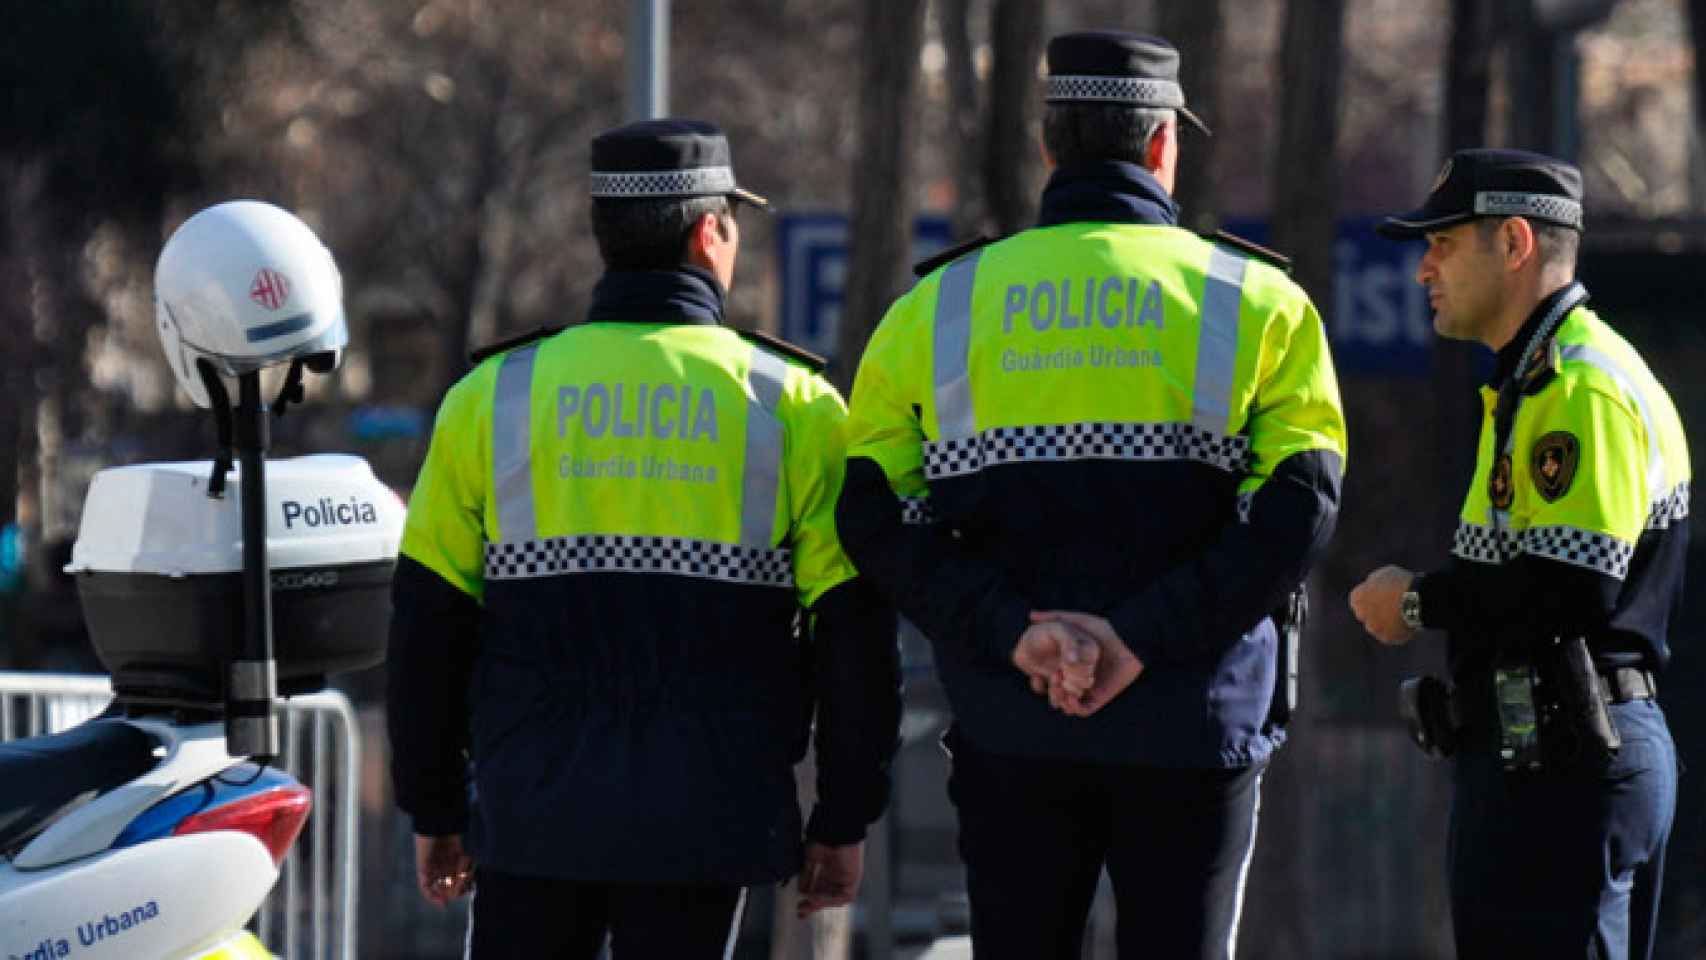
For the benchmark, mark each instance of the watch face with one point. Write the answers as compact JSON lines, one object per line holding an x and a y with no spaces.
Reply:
{"x":1410,"y":609}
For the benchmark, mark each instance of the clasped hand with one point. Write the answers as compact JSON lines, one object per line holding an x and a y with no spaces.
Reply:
{"x":1075,"y":659}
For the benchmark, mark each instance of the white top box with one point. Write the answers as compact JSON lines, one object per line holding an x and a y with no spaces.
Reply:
{"x":156,"y":518}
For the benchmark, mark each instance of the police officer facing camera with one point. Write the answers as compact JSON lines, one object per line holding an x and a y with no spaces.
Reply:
{"x":596,"y":676}
{"x":1087,"y":461}
{"x":1566,"y":570}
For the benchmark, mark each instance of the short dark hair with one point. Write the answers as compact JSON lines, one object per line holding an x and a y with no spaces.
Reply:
{"x":649,"y":234}
{"x":1077,"y":133}
{"x":1557,"y":244}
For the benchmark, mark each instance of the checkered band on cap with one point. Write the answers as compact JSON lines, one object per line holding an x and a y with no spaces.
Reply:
{"x":697,"y":182}
{"x":1540,"y":206}
{"x":1670,"y":508}
{"x":1085,"y":441}
{"x":916,"y":511}
{"x":1135,"y":91}
{"x":1591,"y":549}
{"x":678,"y":556}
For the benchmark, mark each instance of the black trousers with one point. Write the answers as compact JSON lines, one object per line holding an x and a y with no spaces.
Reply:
{"x":1555,"y":864}
{"x":540,"y":918}
{"x":1035,"y":834}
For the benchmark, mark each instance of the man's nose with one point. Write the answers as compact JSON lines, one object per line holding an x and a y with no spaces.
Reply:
{"x":1425,"y":268}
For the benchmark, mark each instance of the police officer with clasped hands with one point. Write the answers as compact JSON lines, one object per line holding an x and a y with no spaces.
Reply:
{"x":1088,"y":461}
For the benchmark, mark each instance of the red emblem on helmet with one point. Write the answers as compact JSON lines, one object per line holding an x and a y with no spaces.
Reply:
{"x":270,"y":289}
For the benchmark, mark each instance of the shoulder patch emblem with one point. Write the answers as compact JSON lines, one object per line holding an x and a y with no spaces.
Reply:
{"x":1553,"y":465}
{"x":1499,"y":483}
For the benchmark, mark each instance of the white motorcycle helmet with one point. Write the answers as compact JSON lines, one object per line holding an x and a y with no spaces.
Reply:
{"x":247,"y":285}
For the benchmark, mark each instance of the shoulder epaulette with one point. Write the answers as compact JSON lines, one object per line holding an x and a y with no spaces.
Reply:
{"x":493,"y":349}
{"x":1270,"y":257}
{"x":786,"y":349}
{"x":942,"y":258}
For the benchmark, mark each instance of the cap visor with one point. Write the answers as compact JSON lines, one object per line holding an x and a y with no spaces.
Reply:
{"x":1418,"y":223}
{"x":1195,"y":121}
{"x":748,"y":197}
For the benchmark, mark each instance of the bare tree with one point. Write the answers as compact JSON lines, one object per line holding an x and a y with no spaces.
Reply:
{"x":965,"y":116}
{"x":883,"y":202}
{"x":1305,"y":198}
{"x":1199,"y":31}
{"x":1697,"y":38}
{"x":1011,"y":161}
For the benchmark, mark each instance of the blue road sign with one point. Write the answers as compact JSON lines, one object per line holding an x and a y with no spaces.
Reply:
{"x":1380,"y":321}
{"x":814,"y":272}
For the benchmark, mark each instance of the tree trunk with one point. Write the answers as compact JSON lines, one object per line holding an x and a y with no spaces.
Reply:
{"x":965,"y":118}
{"x":1697,"y":153}
{"x":1198,"y":30}
{"x":1011,"y":157}
{"x":880,"y":240}
{"x":1305,"y":201}
{"x":1469,"y":74}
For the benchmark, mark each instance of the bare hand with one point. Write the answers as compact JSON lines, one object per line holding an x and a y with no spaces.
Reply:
{"x":830,"y":877}
{"x":443,"y":870}
{"x":1376,"y":603}
{"x":1116,"y":666}
{"x":1057,"y":654}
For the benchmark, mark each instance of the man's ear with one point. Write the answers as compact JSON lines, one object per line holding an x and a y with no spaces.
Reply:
{"x":1517,"y":241}
{"x":705,"y":232}
{"x":1155,"y":153}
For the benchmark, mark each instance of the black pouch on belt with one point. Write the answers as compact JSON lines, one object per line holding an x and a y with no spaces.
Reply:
{"x":1425,"y":703}
{"x":1576,"y":730}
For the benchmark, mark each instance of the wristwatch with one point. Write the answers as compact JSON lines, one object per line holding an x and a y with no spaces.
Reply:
{"x":1410,"y":609}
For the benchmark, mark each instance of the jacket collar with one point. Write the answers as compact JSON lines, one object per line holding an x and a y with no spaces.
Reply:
{"x":1106,"y":191}
{"x":686,"y":294}
{"x":1511,"y":353}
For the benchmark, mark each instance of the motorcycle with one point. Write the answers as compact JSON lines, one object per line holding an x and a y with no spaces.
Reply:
{"x":156,"y":829}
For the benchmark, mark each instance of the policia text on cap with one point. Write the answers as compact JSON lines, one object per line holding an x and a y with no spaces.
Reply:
{"x":608,"y":552}
{"x":1088,"y":460}
{"x":1566,"y":569}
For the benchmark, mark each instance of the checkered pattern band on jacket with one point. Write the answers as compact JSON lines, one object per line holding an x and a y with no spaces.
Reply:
{"x":1085,"y":441}
{"x":603,"y":553}
{"x":1590,"y":549}
{"x":697,"y":182}
{"x":1135,"y":91}
{"x":1670,"y":508}
{"x":916,"y":511}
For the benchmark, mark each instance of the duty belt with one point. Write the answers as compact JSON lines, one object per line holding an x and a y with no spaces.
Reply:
{"x":1623,"y":684}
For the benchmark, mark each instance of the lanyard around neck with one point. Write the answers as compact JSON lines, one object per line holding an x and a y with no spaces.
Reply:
{"x":1510,"y":395}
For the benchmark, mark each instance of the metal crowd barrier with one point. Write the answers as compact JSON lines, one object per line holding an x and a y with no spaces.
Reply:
{"x":311,"y":912}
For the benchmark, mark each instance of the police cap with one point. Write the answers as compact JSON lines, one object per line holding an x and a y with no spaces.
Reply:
{"x":663,"y":159}
{"x":1111,"y":67}
{"x":1485,"y":182}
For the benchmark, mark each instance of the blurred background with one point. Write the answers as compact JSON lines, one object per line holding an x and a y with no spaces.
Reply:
{"x":440,"y":148}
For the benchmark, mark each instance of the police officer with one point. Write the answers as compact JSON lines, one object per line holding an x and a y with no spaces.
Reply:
{"x":1110,"y":426}
{"x":1573,"y":533}
{"x":597,"y":688}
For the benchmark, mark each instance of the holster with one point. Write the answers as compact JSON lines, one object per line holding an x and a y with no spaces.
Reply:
{"x":1576,"y":728}
{"x":1428,"y":709}
{"x":1288,"y":624}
